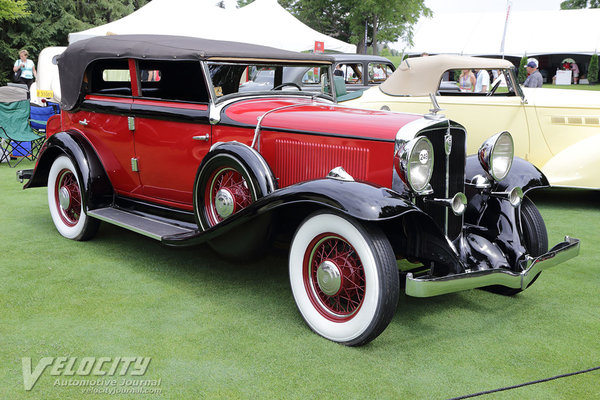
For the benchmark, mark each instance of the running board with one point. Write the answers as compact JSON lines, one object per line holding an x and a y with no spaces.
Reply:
{"x":142,"y":224}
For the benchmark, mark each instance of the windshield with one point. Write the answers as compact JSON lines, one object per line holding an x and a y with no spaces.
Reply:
{"x":232,"y":79}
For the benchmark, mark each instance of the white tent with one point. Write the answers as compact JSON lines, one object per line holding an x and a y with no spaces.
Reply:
{"x":531,"y":33}
{"x":262,"y":22}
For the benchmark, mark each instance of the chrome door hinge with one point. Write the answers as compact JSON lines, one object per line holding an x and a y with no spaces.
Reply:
{"x":131,"y":123}
{"x":134,"y":165}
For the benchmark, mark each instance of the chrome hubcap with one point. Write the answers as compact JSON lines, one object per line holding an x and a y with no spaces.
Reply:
{"x":329,"y":278}
{"x":224,"y":203}
{"x":64,"y":198}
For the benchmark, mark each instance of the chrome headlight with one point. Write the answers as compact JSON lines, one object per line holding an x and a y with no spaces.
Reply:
{"x":496,"y":155}
{"x":414,"y":163}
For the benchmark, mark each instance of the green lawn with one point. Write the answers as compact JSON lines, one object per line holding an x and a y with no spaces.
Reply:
{"x":216,"y":329}
{"x":572,"y":87}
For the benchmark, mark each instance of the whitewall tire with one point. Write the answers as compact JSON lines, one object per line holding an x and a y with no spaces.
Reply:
{"x":65,"y":202}
{"x":344,"y":278}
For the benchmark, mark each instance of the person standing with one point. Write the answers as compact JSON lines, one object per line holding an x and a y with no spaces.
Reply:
{"x":483,"y":81}
{"x":575,"y":69}
{"x":466,"y":80}
{"x":27,"y":68}
{"x":534,"y":78}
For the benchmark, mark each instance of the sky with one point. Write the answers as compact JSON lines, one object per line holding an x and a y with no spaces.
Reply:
{"x":442,"y":6}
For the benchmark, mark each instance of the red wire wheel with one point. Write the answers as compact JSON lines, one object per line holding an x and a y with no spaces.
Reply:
{"x":227,"y":192}
{"x":344,"y":277}
{"x":334,"y":277}
{"x":68,"y":197}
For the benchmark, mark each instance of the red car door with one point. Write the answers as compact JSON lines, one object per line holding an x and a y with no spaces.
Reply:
{"x":172,"y":129}
{"x":103,"y":118}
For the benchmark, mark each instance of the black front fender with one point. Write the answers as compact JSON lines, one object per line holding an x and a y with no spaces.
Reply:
{"x":522,"y":174}
{"x":98,"y":190}
{"x":359,"y":200}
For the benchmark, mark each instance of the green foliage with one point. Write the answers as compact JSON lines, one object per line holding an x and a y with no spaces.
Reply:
{"x":387,"y":20}
{"x":574,"y":4}
{"x":456,"y":75}
{"x":50,"y":22}
{"x":593,"y":69}
{"x":522,"y":72}
{"x":11,"y":10}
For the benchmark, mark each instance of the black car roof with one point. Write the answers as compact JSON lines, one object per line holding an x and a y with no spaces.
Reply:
{"x":344,"y":57}
{"x":75,"y":59}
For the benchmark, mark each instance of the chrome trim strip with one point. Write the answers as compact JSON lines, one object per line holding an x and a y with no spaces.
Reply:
{"x":428,"y":287}
{"x":255,"y":140}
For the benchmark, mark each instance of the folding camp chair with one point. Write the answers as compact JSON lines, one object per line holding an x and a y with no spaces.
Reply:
{"x":17,"y":138}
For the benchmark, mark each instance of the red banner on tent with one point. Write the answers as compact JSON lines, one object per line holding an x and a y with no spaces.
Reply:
{"x":319,"y":47}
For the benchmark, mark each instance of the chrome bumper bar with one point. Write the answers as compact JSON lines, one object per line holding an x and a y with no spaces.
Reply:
{"x":427,"y":287}
{"x":24,"y":174}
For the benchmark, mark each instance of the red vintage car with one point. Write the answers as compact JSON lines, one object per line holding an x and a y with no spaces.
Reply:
{"x":163,"y":135}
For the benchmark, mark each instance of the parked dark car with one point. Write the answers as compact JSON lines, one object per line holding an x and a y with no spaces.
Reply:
{"x":355,"y":72}
{"x":155,"y":136}
{"x":361,"y":71}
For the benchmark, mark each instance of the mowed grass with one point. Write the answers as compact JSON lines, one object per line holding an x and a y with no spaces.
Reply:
{"x":217,"y":329}
{"x":572,"y":87}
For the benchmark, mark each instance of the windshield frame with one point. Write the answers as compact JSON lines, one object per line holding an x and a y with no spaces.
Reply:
{"x":266,"y":93}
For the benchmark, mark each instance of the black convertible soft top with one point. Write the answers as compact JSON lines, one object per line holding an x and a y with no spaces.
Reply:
{"x":74,"y":61}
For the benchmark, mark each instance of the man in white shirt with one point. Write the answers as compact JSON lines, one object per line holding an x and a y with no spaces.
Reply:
{"x":483,"y":81}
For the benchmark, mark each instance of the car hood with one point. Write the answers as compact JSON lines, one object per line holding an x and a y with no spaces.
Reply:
{"x":305,"y":115}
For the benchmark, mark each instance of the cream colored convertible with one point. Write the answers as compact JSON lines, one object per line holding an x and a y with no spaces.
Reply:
{"x":557,"y":130}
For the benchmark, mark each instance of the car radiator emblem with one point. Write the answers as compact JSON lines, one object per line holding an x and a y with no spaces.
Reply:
{"x":448,"y":143}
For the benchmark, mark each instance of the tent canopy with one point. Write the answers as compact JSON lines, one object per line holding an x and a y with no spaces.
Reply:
{"x":262,"y":22}
{"x":531,"y":33}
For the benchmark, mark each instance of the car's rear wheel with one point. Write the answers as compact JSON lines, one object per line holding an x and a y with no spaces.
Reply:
{"x":535,"y":240}
{"x":344,"y":278}
{"x":65,"y":202}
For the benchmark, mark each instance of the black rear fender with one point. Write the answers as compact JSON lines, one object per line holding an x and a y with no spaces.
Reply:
{"x":94,"y":180}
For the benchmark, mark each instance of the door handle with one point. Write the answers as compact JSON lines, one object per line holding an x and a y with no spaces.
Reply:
{"x":203,"y":138}
{"x":83,"y":122}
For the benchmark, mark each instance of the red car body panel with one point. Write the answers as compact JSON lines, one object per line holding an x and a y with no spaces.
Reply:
{"x":169,"y":175}
{"x":320,"y":117}
{"x":112,"y":140}
{"x":330,"y":136}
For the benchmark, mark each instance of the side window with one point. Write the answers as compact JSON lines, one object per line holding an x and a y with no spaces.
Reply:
{"x":172,"y":80}
{"x":379,"y":72}
{"x":496,"y":82}
{"x":311,"y":77}
{"x":109,"y":77}
{"x":352,"y":73}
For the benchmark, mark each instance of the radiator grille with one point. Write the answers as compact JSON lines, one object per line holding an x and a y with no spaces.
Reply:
{"x":438,"y":179}
{"x":297,"y":161}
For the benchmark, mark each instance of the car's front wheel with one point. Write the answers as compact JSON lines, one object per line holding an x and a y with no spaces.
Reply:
{"x":65,"y":202}
{"x":344,"y":278}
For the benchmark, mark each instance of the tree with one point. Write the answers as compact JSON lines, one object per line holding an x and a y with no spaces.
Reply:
{"x":386,"y":20}
{"x":574,"y":4}
{"x":522,"y":72}
{"x":11,"y":10}
{"x":593,"y":69}
{"x":50,"y":22}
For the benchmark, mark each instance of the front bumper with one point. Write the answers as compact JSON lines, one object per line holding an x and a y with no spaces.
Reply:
{"x":433,"y":286}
